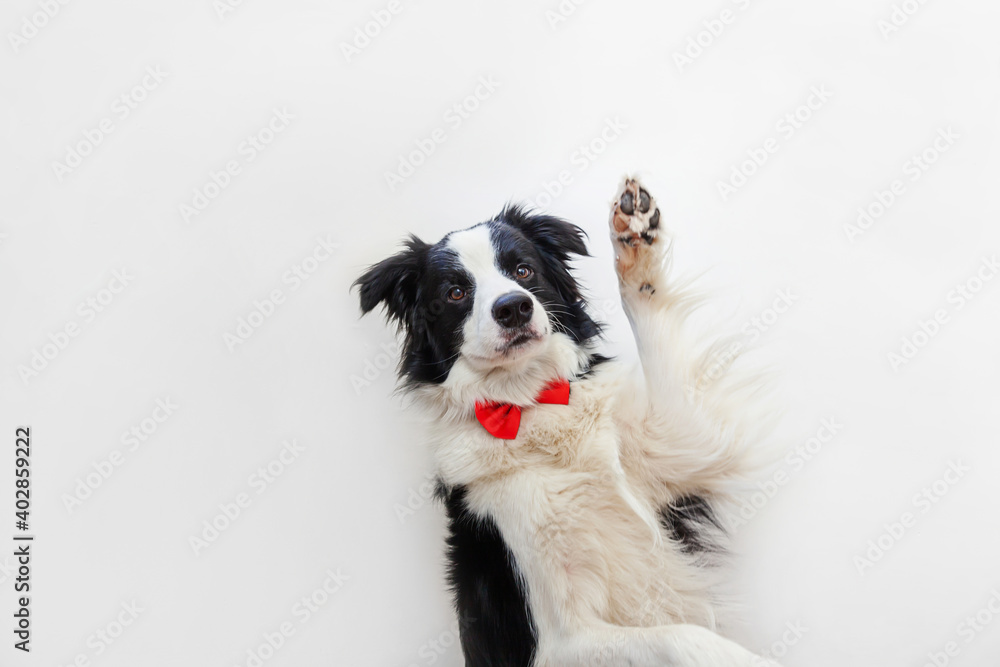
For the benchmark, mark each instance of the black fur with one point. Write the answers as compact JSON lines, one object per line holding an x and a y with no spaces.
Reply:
{"x":413,"y":286}
{"x":497,"y":629}
{"x":496,"y":625}
{"x":547,"y":243}
{"x":393,"y":282}
{"x":692,"y":522}
{"x":593,"y":362}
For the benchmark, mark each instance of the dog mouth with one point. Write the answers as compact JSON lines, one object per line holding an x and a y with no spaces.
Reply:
{"x":519,"y":340}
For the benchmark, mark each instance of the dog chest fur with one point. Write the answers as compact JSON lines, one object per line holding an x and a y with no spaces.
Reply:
{"x":585,"y":544}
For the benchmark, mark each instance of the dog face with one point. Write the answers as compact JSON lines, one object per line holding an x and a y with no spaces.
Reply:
{"x":492,"y":294}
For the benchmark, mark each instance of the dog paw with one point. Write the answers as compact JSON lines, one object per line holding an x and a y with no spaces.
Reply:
{"x":635,"y":232}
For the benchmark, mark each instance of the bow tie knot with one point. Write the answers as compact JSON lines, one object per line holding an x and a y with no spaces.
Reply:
{"x":502,"y":420}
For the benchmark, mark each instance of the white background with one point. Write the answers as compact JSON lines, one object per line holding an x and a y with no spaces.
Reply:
{"x":302,"y":374}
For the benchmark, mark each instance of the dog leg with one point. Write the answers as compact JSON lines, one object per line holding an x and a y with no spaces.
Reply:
{"x":686,"y":442}
{"x":663,"y":646}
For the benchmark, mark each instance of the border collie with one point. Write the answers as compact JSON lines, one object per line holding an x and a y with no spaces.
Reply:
{"x":582,"y":495}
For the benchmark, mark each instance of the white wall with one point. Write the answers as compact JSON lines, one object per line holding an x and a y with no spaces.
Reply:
{"x":62,"y":235}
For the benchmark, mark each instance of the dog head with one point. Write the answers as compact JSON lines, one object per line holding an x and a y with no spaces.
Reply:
{"x":493,"y":298}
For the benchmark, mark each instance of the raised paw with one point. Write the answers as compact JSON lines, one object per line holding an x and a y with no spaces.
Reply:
{"x":635,"y":231}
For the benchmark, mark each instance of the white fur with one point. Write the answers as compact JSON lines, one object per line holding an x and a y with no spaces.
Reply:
{"x":575,"y":495}
{"x":483,"y":337}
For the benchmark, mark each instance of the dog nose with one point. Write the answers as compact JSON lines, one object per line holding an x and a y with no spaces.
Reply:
{"x":513,"y":310}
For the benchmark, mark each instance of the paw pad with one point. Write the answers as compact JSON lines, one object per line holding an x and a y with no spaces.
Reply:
{"x":635,"y":217}
{"x":635,"y":231}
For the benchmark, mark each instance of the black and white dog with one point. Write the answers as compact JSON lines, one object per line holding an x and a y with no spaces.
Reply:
{"x":580,"y":493}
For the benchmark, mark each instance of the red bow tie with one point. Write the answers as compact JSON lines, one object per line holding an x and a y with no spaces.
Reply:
{"x":503,"y":419}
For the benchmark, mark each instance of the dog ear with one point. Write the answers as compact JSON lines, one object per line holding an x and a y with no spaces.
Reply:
{"x":554,"y":236}
{"x":556,"y":240}
{"x":393,"y":282}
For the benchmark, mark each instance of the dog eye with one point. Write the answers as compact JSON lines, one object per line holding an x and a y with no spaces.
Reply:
{"x":456,"y":294}
{"x":523,"y":271}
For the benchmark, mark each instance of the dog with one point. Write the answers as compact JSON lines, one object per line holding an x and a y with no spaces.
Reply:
{"x":582,"y":495}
